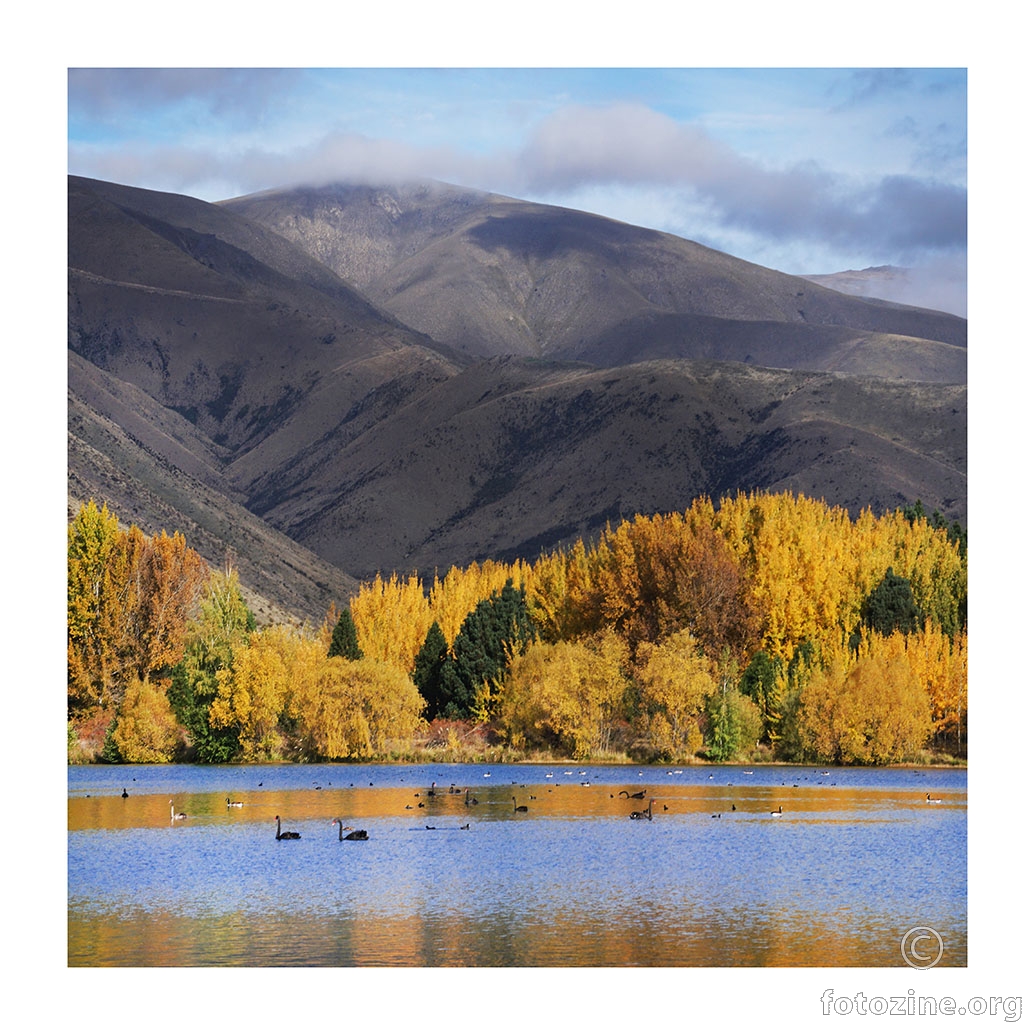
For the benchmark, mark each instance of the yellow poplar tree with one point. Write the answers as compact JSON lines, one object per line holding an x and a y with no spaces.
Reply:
{"x":253,"y":693}
{"x":392,"y":619}
{"x":675,"y":680}
{"x":564,"y":695}
{"x":146,"y":730}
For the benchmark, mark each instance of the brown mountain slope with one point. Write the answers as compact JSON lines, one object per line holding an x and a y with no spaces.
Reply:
{"x":152,"y":469}
{"x":511,"y":457}
{"x":493,"y":275}
{"x":163,"y":294}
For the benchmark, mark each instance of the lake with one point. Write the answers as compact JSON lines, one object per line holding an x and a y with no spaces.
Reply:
{"x":857,"y":859}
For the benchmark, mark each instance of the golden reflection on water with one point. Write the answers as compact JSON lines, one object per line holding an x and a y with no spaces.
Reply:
{"x":543,"y":800}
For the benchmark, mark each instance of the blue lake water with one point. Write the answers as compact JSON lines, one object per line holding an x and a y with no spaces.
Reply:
{"x":857,"y":859}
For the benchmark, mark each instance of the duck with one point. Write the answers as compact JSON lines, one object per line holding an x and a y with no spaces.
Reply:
{"x":353,"y":835}
{"x":517,"y":807}
{"x":287,"y":835}
{"x":174,"y":814}
{"x":649,"y":814}
{"x":933,"y":801}
{"x":234,"y":804}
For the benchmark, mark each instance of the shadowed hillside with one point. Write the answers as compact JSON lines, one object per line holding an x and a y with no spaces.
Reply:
{"x":493,"y":276}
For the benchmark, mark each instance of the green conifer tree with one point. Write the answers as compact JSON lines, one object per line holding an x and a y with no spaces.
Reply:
{"x":427,"y":671}
{"x":344,"y":639}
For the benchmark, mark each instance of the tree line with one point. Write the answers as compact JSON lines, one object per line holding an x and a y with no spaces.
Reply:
{"x":769,"y":626}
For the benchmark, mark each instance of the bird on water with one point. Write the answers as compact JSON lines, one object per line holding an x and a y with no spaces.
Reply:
{"x":648,"y":814}
{"x":517,"y":807}
{"x":287,"y":835}
{"x":174,"y":814}
{"x":353,"y":835}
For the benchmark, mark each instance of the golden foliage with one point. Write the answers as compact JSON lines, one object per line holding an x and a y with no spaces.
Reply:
{"x":130,"y":597}
{"x":282,"y":679}
{"x":675,"y":680}
{"x":392,"y":619}
{"x":641,"y":627}
{"x":252,"y":694}
{"x":867,"y":708}
{"x":146,"y":730}
{"x":565,"y":695}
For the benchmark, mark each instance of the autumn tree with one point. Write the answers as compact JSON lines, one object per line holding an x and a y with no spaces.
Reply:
{"x":565,"y":697}
{"x":649,"y":577}
{"x":146,"y":729}
{"x":92,"y":671}
{"x":867,"y":708}
{"x":392,"y":618}
{"x":224,"y":622}
{"x":342,"y":709}
{"x":252,"y":693}
{"x":675,"y":679}
{"x":130,"y":597}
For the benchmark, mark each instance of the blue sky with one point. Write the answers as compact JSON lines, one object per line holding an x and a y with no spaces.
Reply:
{"x":807,"y":170}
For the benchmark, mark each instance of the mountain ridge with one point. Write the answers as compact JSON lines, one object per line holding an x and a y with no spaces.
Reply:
{"x":225,"y":381}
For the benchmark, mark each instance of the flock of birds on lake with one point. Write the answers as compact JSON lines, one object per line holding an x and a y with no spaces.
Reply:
{"x":346,"y":833}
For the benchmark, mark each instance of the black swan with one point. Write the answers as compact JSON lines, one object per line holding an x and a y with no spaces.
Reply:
{"x":174,"y":814}
{"x":234,"y":804}
{"x":649,"y":814}
{"x":288,"y":835}
{"x":468,"y":800}
{"x":353,"y":835}
{"x":638,"y":794}
{"x":126,"y":795}
{"x":517,"y":807}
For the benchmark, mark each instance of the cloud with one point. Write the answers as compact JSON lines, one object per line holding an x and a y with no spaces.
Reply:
{"x":107,"y":93}
{"x":625,"y":144}
{"x":713,"y":192}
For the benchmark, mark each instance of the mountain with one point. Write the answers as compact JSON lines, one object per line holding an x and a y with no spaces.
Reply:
{"x":492,"y":275}
{"x":242,"y":382}
{"x":939,"y":287}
